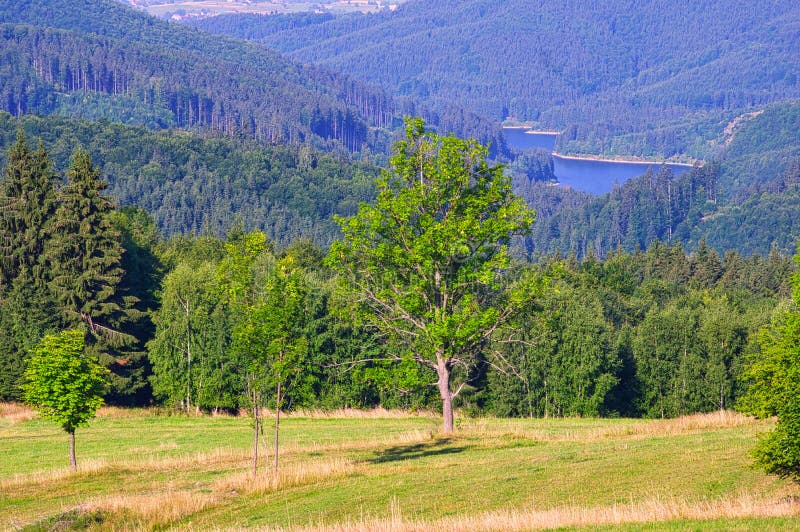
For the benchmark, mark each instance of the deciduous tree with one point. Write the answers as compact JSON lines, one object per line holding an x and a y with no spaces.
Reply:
{"x":65,"y":383}
{"x":425,"y":261}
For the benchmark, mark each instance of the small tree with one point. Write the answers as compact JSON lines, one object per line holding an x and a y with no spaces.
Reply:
{"x":425,"y":261}
{"x":282,"y":318}
{"x":774,"y":378}
{"x":64,"y":383}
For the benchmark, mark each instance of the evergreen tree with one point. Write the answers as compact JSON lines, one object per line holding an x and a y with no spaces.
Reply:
{"x":84,"y":255}
{"x":27,"y":201}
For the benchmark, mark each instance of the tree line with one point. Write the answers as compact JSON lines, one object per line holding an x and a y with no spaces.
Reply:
{"x":179,"y":321}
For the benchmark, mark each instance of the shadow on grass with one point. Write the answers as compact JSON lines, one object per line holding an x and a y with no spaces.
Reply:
{"x":417,"y":450}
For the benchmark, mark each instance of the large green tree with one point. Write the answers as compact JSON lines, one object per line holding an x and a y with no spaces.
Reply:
{"x":774,"y":378}
{"x":65,"y":383}
{"x":426,"y":260}
{"x":84,"y":254}
{"x":27,"y":202}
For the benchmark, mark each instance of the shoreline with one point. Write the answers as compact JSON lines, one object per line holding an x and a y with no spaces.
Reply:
{"x":625,"y":161}
{"x":533,"y":131}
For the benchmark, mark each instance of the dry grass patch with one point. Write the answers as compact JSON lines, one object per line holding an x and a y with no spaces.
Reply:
{"x":636,"y":429}
{"x":655,"y":510}
{"x":354,"y":413}
{"x":85,"y":468}
{"x":290,"y":475}
{"x":164,"y":508}
{"x":154,"y":509}
{"x":210,"y":460}
{"x":720,"y":419}
{"x":16,"y":412}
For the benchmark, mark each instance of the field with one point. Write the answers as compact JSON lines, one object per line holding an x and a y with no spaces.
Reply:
{"x":390,"y":471}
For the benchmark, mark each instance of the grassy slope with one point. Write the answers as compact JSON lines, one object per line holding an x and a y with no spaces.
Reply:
{"x":148,"y":471}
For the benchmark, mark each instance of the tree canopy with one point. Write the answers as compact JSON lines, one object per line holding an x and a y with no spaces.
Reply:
{"x":65,"y":383}
{"x":425,"y":261}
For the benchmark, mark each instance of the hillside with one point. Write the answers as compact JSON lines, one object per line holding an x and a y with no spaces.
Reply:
{"x":195,"y":184}
{"x":99,"y":58}
{"x":746,"y":201}
{"x":644,"y":78}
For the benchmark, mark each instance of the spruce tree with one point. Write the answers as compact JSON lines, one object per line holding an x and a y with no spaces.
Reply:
{"x":27,"y":202}
{"x":85,"y":256}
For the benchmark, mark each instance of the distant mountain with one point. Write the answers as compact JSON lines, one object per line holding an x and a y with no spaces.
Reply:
{"x":99,"y":58}
{"x":659,"y":77}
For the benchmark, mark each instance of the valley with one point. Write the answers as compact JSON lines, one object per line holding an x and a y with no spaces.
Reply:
{"x":408,"y":265}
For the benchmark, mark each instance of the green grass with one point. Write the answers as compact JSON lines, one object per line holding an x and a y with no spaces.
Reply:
{"x":352,"y":470}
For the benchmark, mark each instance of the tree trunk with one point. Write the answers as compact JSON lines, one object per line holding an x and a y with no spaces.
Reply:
{"x":72,"y":462}
{"x":447,"y":396}
{"x":277,"y":421}
{"x":255,"y":435}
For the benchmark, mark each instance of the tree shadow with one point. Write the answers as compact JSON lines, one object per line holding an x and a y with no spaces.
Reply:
{"x":417,"y":450}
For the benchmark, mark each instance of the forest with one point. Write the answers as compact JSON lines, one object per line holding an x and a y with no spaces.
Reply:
{"x":189,"y":172}
{"x":281,"y":146}
{"x":632,"y":78}
{"x":95,"y":59}
{"x":166,"y":314}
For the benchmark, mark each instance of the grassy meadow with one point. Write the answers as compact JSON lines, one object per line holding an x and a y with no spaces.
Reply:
{"x":390,"y":471}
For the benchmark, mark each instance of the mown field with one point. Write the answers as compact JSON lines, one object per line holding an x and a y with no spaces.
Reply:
{"x":390,"y":471}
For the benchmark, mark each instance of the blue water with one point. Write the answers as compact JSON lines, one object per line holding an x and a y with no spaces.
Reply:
{"x":594,"y":177}
{"x":519,"y":139}
{"x":598,"y":177}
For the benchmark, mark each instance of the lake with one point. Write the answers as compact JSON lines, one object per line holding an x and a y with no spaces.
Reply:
{"x":595,"y":176}
{"x":522,"y":139}
{"x":599,"y":176}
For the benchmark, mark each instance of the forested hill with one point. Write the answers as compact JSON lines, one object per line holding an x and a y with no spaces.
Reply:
{"x":98,"y":58}
{"x":661,"y":77}
{"x":192,"y":184}
{"x":746,"y":201}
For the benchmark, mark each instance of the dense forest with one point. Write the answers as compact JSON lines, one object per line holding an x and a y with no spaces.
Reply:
{"x":96,"y":59}
{"x":747,"y":199}
{"x":607,"y":344}
{"x":645,"y":78}
{"x":206,"y":184}
{"x":172,"y":191}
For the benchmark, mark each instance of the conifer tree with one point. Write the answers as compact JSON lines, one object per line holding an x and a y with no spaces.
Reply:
{"x":27,"y":202}
{"x":85,"y":255}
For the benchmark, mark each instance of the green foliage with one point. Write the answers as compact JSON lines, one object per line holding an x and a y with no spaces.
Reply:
{"x":773,"y":376}
{"x":84,"y":255}
{"x":194,"y":184}
{"x":425,"y":261}
{"x":653,"y":334}
{"x":190,"y":353}
{"x":27,"y":310}
{"x":63,"y":382}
